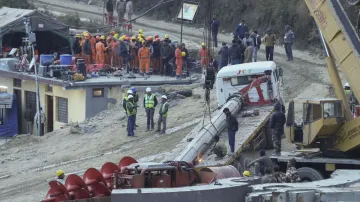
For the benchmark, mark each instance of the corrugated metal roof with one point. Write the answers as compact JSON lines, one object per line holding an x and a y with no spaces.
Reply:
{"x":9,"y":15}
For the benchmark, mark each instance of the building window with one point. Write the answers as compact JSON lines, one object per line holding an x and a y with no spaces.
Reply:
{"x":17,"y":83}
{"x":98,"y":92}
{"x":30,"y":100}
{"x":62,"y":109}
{"x":49,"y":88}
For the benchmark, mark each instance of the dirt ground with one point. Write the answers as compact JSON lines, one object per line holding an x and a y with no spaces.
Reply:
{"x":28,"y":163}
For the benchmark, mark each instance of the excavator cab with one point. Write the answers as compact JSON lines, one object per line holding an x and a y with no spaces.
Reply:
{"x":310,"y":120}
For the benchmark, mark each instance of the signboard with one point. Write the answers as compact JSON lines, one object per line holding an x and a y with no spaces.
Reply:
{"x":6,"y":100}
{"x":190,"y":10}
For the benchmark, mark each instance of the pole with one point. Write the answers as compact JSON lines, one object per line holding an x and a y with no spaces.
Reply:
{"x":182,"y":21}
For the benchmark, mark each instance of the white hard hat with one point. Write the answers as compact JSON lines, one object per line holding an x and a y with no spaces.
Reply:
{"x":129,"y":92}
{"x":347,"y":85}
{"x":164,"y":96}
{"x":130,"y":96}
{"x":148,"y":89}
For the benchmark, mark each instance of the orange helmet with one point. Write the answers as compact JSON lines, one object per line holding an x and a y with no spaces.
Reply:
{"x":149,"y":38}
{"x":112,"y":33}
{"x":156,"y":36}
{"x":128,"y":38}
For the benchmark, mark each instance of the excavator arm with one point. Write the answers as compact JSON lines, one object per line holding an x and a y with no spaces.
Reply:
{"x":342,"y":46}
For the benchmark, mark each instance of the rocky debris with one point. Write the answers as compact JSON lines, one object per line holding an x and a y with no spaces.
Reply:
{"x":180,"y":96}
{"x":196,"y":96}
{"x":75,"y":128}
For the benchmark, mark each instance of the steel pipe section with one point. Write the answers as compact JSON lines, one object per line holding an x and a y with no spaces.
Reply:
{"x":205,"y":136}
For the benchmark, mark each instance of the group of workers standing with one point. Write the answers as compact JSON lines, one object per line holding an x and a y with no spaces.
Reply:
{"x":245,"y":44}
{"x":150,"y":102}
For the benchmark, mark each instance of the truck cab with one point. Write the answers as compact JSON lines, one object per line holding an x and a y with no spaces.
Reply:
{"x":232,"y":79}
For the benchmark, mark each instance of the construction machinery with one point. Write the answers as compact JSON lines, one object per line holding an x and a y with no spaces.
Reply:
{"x":326,"y":129}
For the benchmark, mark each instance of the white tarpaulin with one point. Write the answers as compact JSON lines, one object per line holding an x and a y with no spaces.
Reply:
{"x":6,"y":100}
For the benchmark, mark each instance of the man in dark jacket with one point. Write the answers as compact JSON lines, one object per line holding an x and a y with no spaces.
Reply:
{"x":289,"y":39}
{"x":215,"y":29}
{"x":156,"y":55}
{"x":277,"y":122}
{"x":232,"y":126}
{"x":76,"y":46}
{"x":224,"y":55}
{"x":185,"y":58}
{"x":86,"y":49}
{"x":241,"y":50}
{"x":165,"y":52}
{"x":241,"y":29}
{"x":123,"y":51}
{"x":234,"y":53}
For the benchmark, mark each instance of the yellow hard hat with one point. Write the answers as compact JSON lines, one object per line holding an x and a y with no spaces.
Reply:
{"x":116,"y":36}
{"x":203,"y":44}
{"x":85,"y":32}
{"x":246,"y":173}
{"x":121,"y":38}
{"x":133,"y":38}
{"x":183,"y":54}
{"x":78,"y":36}
{"x":102,"y":37}
{"x":166,"y":36}
{"x":141,"y":31}
{"x":59,"y":172}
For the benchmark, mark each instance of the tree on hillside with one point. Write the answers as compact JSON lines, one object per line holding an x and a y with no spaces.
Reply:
{"x":16,"y":4}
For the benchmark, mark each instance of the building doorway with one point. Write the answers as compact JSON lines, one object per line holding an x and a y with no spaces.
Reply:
{"x":50,"y":113}
{"x":19,"y":112}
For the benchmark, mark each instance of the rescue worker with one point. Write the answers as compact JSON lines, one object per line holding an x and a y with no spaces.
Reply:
{"x":109,"y":45}
{"x":115,"y":47}
{"x":279,"y":176}
{"x":215,"y":29}
{"x":156,"y":54}
{"x":136,"y":100}
{"x":289,"y":39}
{"x":60,"y":176}
{"x":179,"y":61}
{"x":141,"y":31}
{"x":93,"y":50}
{"x":232,"y":126}
{"x":350,"y":96}
{"x":120,"y":8}
{"x":204,"y":55}
{"x":100,"y":51}
{"x":268,"y":177}
{"x":133,"y":54}
{"x":277,"y":122}
{"x":269,"y":41}
{"x":110,"y":11}
{"x":264,"y":162}
{"x":246,"y":173}
{"x":150,"y":102}
{"x":219,"y":149}
{"x":165,"y":52}
{"x":163,"y":113}
{"x":76,"y":46}
{"x":86,"y":49}
{"x":129,"y":92}
{"x":291,"y":173}
{"x":131,"y":112}
{"x":144,"y":57}
{"x":123,"y":52}
{"x":224,"y":55}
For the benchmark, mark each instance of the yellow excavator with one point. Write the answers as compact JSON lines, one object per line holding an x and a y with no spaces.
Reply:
{"x":325,"y":129}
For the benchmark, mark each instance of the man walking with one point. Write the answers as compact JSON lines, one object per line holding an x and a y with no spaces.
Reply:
{"x":277,"y":122}
{"x":269,"y":41}
{"x":256,"y":44}
{"x":289,"y":39}
{"x":150,"y":102}
{"x":232,"y":126}
{"x":131,"y":112}
{"x":125,"y":100}
{"x":204,"y":55}
{"x":241,"y":29}
{"x":165,"y":52}
{"x":215,"y":29}
{"x":224,"y":55}
{"x":120,"y":8}
{"x":163,"y":112}
{"x":42,"y":121}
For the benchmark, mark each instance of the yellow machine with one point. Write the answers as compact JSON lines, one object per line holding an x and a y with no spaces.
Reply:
{"x":328,"y":124}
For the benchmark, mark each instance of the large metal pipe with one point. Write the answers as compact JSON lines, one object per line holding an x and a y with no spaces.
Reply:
{"x":205,"y":136}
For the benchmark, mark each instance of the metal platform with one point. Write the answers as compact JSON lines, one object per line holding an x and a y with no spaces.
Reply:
{"x":248,"y":128}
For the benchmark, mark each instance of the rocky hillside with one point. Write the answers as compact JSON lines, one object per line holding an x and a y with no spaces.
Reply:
{"x":259,"y":15}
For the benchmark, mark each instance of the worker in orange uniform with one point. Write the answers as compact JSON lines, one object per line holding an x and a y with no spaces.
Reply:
{"x":179,"y":61}
{"x":144,"y":57}
{"x":93,"y":43}
{"x":115,"y":46}
{"x":109,"y":44}
{"x":204,"y":55}
{"x":133,"y":53}
{"x":100,"y":51}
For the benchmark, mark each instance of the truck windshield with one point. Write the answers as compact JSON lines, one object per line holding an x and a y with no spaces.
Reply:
{"x":244,"y":80}
{"x":332,"y":110}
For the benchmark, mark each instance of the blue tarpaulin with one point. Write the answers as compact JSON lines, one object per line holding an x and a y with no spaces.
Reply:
{"x":9,"y":128}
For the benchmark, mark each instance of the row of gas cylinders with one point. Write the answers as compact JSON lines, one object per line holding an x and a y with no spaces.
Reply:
{"x":93,"y":184}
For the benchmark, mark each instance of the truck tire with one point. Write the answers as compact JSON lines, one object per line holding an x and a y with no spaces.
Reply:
{"x":309,"y":174}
